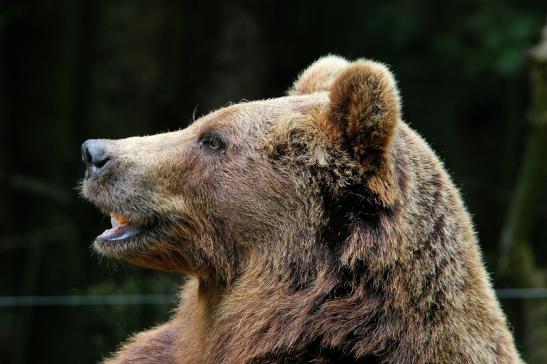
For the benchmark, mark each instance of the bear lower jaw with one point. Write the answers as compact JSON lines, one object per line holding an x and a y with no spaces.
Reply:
{"x":120,"y":233}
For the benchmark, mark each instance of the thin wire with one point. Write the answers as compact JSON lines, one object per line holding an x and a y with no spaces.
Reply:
{"x":88,"y":300}
{"x":521,"y":293}
{"x":171,"y":299}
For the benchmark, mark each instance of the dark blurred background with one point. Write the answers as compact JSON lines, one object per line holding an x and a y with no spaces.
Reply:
{"x":74,"y":69}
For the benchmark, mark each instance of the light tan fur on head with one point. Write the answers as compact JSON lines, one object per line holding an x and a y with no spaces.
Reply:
{"x":319,"y":76}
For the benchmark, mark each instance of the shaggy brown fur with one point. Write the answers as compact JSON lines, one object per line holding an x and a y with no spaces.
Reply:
{"x":316,"y":228}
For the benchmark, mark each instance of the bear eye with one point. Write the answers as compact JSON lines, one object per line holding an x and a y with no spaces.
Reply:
{"x":212,"y":141}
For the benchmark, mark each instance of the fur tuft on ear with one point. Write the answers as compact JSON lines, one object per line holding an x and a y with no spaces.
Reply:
{"x":319,"y":76}
{"x":364,"y":111}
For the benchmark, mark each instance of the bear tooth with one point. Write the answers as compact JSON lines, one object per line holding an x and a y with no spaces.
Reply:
{"x":118,"y":220}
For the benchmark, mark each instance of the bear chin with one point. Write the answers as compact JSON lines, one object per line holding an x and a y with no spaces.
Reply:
{"x":133,"y":241}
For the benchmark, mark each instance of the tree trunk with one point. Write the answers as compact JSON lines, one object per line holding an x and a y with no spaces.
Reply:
{"x":516,"y":264}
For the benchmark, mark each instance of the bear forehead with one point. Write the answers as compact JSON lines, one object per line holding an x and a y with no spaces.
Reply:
{"x":256,"y":114}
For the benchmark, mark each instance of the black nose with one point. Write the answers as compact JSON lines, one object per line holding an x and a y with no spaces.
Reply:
{"x":95,"y":156}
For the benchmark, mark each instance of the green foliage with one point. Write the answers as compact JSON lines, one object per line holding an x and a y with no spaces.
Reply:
{"x":502,"y":35}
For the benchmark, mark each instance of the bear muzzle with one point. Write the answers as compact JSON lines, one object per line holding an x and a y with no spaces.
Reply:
{"x":102,"y":182}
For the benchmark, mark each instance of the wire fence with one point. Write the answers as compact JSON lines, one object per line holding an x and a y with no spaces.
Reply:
{"x":88,"y":300}
{"x":171,"y":298}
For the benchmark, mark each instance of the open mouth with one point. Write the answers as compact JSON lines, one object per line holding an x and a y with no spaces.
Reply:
{"x":122,"y":229}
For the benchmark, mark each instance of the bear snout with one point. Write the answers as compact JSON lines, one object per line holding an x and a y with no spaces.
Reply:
{"x":95,"y":157}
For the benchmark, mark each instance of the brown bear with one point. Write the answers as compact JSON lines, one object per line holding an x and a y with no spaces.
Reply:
{"x":315,"y":228}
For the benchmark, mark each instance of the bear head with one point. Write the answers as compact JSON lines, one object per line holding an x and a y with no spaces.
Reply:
{"x":275,"y":185}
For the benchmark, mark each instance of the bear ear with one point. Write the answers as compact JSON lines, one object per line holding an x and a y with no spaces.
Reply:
{"x":319,"y":76}
{"x":363,"y":113}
